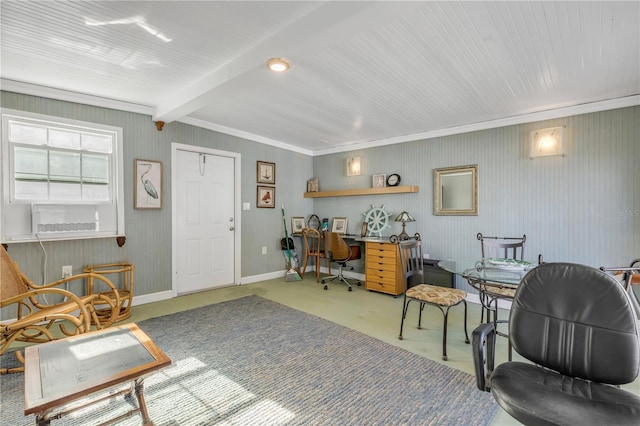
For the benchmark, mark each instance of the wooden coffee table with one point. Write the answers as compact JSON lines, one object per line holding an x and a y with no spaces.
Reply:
{"x":62,"y":371}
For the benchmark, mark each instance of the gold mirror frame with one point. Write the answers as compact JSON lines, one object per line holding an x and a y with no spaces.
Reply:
{"x":457,"y":203}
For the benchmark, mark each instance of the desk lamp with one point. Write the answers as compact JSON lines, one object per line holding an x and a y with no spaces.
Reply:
{"x":404,"y":217}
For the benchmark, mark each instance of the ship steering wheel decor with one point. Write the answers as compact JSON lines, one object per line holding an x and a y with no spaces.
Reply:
{"x":377,"y":220}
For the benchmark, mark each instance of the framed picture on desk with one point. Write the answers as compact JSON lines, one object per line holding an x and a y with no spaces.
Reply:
{"x":339,"y":225}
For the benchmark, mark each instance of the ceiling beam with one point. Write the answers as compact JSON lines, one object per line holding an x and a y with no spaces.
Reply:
{"x":325,"y":26}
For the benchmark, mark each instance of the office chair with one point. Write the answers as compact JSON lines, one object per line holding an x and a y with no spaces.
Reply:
{"x":488,"y":292}
{"x":577,"y":327}
{"x":340,"y":252}
{"x":442,"y":298}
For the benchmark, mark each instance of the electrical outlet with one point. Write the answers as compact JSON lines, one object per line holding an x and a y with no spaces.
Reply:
{"x":67,"y":271}
{"x":264,"y":250}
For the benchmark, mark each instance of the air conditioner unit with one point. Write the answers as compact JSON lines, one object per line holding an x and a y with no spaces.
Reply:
{"x":63,"y":218}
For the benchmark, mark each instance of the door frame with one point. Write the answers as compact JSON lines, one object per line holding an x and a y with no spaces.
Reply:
{"x":237,"y":260}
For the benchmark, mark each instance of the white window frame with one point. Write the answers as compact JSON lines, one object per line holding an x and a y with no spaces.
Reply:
{"x":16,"y":219}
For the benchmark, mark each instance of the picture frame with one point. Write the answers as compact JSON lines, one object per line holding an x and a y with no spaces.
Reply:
{"x":266,"y":172}
{"x":147,"y":187}
{"x":266,"y":197}
{"x":339,"y":225}
{"x":364,"y":229}
{"x":379,"y":181}
{"x":312,"y":185}
{"x":297,"y":223}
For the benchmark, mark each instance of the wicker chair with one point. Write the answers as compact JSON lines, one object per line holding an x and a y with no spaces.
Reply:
{"x":312,"y":241}
{"x":44,"y":313}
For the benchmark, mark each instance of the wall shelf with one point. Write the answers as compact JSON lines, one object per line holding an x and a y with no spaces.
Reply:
{"x":365,"y":191}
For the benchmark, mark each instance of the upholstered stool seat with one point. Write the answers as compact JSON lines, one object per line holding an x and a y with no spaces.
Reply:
{"x":442,"y":296}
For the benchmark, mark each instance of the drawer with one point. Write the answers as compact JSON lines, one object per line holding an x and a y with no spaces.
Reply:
{"x":382,"y":286}
{"x":382,"y":246}
{"x":381,"y":262}
{"x":377,"y":274}
{"x":386,"y":254}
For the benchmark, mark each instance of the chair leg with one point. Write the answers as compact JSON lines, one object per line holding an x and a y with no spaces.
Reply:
{"x":304,"y":267}
{"x":405,"y":307}
{"x":420,"y":316}
{"x":466,"y":335}
{"x":445,"y":313}
{"x":317,"y":263}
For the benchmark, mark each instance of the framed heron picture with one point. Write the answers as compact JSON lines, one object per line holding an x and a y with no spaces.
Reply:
{"x":148,"y":184}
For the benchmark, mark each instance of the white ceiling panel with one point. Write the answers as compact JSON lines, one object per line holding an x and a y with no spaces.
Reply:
{"x":362,"y":72}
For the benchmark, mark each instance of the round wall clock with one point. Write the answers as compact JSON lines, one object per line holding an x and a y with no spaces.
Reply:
{"x":393,"y":180}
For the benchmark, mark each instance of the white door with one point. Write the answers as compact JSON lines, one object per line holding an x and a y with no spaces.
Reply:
{"x":204,"y":240}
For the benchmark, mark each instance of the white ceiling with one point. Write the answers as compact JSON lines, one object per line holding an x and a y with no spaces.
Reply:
{"x":363,"y":73}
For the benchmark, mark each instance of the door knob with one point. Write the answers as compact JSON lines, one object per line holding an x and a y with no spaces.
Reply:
{"x":232,"y":228}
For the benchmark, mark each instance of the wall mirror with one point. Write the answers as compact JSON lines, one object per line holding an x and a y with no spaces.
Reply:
{"x":455,"y":191}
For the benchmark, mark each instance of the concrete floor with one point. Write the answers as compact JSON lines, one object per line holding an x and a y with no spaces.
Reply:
{"x":371,"y":313}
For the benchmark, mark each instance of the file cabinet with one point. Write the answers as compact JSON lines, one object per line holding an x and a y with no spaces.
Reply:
{"x":383,"y":269}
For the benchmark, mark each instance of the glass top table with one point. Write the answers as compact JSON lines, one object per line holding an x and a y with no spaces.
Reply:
{"x":474,"y":269}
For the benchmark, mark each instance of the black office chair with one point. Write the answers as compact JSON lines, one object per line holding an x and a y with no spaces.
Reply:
{"x":578,"y":328}
{"x":341,"y":253}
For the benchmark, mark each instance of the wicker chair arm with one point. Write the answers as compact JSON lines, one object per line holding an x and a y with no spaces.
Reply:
{"x":20,"y":299}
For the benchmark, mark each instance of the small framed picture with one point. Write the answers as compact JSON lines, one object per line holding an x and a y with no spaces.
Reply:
{"x":297,"y":223}
{"x":339,"y":225}
{"x":266,"y":197}
{"x":379,"y":181}
{"x":363,"y":230}
{"x":148,"y":184}
{"x":312,"y":185}
{"x":266,"y":172}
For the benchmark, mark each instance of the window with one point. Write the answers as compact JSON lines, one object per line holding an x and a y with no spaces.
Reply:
{"x":60,"y":173}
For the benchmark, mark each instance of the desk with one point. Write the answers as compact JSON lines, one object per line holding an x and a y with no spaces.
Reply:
{"x":63,"y":371}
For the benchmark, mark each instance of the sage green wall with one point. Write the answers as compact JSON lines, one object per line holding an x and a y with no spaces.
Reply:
{"x":148,"y":232}
{"x":582,"y":208}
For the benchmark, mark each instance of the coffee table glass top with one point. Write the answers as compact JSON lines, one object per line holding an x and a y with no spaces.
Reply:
{"x":501,"y":271}
{"x":74,"y":361}
{"x":64,"y":370}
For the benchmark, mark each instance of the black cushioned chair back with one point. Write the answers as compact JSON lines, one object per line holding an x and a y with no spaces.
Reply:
{"x":576,"y":320}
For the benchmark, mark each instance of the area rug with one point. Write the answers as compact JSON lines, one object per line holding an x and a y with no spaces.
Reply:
{"x":252,"y":361}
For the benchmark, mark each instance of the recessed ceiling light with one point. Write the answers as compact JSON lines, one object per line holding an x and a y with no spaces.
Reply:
{"x":278,"y":64}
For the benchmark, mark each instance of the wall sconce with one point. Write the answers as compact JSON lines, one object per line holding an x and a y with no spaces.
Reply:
{"x":547,"y":142}
{"x":353,"y":166}
{"x":404,"y":217}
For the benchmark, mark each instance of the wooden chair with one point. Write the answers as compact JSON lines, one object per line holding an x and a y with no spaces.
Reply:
{"x":340,"y":252}
{"x":125,"y":290}
{"x":312,"y":247}
{"x":490,"y":293}
{"x":47,"y":312}
{"x":442,"y":298}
